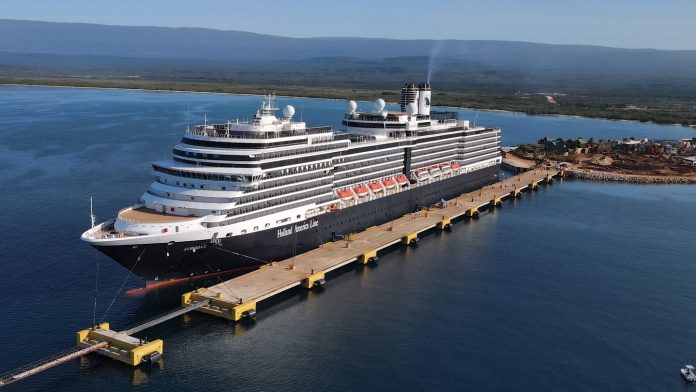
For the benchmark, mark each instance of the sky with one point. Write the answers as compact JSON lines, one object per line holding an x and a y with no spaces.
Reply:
{"x":615,"y":23}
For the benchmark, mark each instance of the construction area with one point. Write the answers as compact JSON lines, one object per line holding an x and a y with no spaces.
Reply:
{"x":628,"y":160}
{"x":237,"y":298}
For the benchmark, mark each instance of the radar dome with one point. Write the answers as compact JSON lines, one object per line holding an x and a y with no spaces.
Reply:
{"x":351,"y":106}
{"x":411,"y":108}
{"x":288,"y":111}
{"x":379,"y":104}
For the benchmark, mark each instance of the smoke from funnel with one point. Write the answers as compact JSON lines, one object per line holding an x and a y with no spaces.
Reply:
{"x":434,"y":51}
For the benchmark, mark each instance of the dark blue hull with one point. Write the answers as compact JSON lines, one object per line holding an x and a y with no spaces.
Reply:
{"x":159,"y":262}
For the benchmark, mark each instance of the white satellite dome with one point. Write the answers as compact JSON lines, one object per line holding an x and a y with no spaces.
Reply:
{"x":379,"y":104}
{"x":411,"y":108}
{"x":288,"y":111}
{"x":351,"y":106}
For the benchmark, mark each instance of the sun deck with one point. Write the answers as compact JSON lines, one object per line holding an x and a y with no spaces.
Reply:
{"x":146,"y":215}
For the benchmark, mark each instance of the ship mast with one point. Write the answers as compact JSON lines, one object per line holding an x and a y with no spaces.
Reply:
{"x":91,"y":213}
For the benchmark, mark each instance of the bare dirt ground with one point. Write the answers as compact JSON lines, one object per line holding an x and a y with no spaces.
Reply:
{"x":640,"y":168}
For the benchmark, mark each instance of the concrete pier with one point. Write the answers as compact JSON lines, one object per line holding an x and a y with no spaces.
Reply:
{"x":244,"y":292}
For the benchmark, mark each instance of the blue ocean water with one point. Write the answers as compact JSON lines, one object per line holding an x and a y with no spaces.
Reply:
{"x":578,"y":287}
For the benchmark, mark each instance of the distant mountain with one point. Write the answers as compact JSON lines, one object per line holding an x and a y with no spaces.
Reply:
{"x":198,"y":53}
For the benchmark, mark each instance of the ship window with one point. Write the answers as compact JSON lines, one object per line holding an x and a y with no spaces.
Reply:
{"x":244,"y":231}
{"x":224,"y":188}
{"x":172,"y":209}
{"x":298,"y":217}
{"x":201,"y":186}
{"x":256,"y":228}
{"x":268,"y":225}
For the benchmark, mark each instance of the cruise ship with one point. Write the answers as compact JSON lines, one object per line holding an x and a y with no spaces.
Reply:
{"x":237,"y":195}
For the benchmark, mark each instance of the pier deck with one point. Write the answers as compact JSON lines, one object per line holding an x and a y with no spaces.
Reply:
{"x":306,"y":268}
{"x":516,"y":164}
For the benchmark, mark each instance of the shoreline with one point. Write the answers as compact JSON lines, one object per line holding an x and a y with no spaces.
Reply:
{"x":628,"y":178}
{"x":600,"y":176}
{"x":358,"y":92}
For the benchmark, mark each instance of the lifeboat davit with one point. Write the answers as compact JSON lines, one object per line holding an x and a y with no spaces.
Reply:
{"x":422,"y":174}
{"x":389,"y":183}
{"x":345,"y":194}
{"x":434,"y":171}
{"x":361,"y":190}
{"x":454,"y":166}
{"x":401,"y":180}
{"x":376,"y":187}
{"x":446,"y":168}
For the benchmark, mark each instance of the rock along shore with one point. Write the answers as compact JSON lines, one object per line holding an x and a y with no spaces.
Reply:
{"x":633,"y":178}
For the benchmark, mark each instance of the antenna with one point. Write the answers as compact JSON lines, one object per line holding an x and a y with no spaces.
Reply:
{"x":475,"y":118}
{"x":188,"y":117}
{"x":91,"y":213}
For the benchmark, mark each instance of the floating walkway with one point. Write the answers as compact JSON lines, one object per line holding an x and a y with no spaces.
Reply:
{"x":237,"y":298}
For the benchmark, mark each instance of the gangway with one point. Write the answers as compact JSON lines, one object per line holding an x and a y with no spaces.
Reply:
{"x":118,"y":342}
{"x":47,"y":363}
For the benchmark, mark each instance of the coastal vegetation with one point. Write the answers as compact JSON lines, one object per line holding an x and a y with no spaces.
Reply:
{"x":663,"y":110}
{"x":539,"y":79}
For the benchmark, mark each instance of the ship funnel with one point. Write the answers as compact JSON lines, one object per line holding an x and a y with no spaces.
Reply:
{"x":409,"y":94}
{"x":424,"y":95}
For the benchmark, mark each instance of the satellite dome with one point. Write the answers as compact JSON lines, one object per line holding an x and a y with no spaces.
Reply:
{"x":411,"y":108}
{"x":379,"y":104}
{"x":288,"y":111}
{"x":351,"y":106}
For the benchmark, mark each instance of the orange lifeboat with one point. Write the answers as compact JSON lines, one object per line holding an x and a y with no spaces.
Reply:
{"x":434,"y":171}
{"x":446,"y":168}
{"x":454,"y":165}
{"x":376,"y":187}
{"x":361,"y":190}
{"x":345,"y":194}
{"x":389,"y":183}
{"x":401,"y":180}
{"x":422,"y":174}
